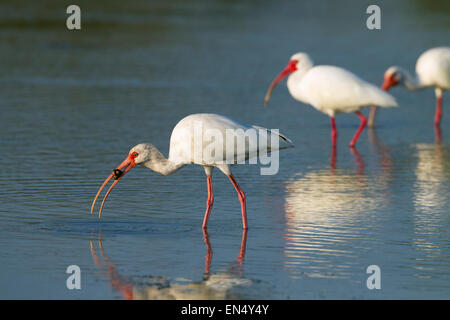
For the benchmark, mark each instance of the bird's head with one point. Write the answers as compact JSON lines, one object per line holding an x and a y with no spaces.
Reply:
{"x":139,"y":154}
{"x":297,"y":62}
{"x":392,"y":77}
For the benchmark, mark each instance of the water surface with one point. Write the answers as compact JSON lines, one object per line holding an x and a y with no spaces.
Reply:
{"x":73,"y":103}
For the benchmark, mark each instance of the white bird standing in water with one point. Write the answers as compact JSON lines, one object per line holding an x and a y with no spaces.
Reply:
{"x":331,"y":90}
{"x":432,"y":70}
{"x":189,"y":143}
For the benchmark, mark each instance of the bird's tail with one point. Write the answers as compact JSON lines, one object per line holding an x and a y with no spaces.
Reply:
{"x":284,"y":142}
{"x":381,"y":98}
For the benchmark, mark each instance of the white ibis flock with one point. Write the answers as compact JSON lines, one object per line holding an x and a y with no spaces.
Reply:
{"x":329,"y":89}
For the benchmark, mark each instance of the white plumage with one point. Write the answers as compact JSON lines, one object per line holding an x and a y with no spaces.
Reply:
{"x":432,"y":70}
{"x":202,"y":139}
{"x":331,"y":90}
{"x":209,"y":131}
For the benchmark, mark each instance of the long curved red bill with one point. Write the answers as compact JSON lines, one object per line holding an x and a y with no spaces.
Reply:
{"x":386,"y":85}
{"x":389,"y":82}
{"x":291,"y":67}
{"x":128,"y":164}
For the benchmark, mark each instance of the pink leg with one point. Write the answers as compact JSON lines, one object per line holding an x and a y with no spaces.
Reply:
{"x":333,"y":132}
{"x":360,"y":129}
{"x":208,"y":256}
{"x":438,"y":114}
{"x":241,"y":195}
{"x":333,"y":158}
{"x":209,"y":202}
{"x":243,"y":245}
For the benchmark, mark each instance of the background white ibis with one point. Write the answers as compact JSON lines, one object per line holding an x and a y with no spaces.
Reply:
{"x":185,"y":136}
{"x":432,"y":70}
{"x":331,"y":90}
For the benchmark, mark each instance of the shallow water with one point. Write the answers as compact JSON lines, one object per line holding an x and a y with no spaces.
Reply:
{"x":73,"y":103}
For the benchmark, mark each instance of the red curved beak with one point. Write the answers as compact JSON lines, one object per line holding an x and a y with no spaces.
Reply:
{"x":117,"y":174}
{"x":388,"y":82}
{"x":291,"y":67}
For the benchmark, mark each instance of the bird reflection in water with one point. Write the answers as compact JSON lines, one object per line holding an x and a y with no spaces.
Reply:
{"x":379,"y":148}
{"x":384,"y":160}
{"x":438,"y":134}
{"x":327,"y":209}
{"x":357,"y":158}
{"x":430,"y":195}
{"x":221,"y":285}
{"x":431,"y":176}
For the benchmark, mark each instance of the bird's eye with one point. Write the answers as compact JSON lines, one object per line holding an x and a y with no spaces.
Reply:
{"x":397,"y":76}
{"x":134,"y":154}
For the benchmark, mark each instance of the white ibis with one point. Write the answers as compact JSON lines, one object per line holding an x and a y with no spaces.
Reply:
{"x":331,"y":90}
{"x":191,"y":133}
{"x":432,"y":70}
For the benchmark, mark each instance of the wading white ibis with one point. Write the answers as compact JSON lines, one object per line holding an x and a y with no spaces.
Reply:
{"x":189,"y":143}
{"x":432,"y":70}
{"x":331,"y":90}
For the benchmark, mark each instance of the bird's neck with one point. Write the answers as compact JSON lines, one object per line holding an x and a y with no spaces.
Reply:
{"x":293,"y":84}
{"x":412,"y":83}
{"x":296,"y":77}
{"x":161,"y":164}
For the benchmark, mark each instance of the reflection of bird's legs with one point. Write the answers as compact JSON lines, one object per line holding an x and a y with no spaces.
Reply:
{"x":333,"y":158}
{"x":208,"y":256}
{"x":241,"y":256}
{"x":359,"y":160}
{"x":438,"y":154}
{"x":438,"y":134}
{"x":380,"y":149}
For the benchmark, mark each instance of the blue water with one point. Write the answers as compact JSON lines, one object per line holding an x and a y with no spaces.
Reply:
{"x":74,"y":102}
